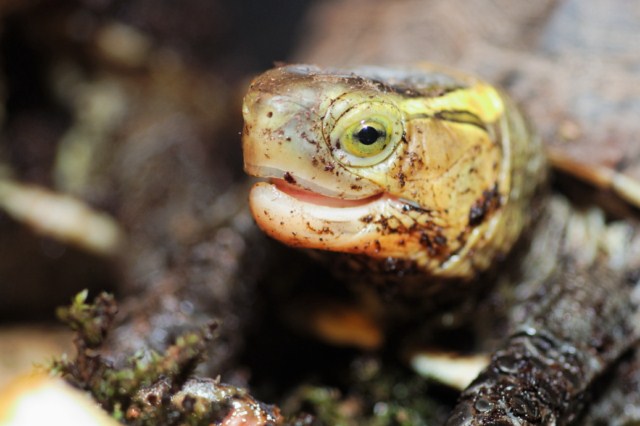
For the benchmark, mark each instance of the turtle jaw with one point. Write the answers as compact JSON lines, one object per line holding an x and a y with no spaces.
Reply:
{"x":302,"y":218}
{"x":320,"y":197}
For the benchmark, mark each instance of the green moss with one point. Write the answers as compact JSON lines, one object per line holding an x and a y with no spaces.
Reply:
{"x":148,"y":388}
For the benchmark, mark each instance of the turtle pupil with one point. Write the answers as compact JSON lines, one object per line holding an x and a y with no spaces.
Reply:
{"x":368,"y":135}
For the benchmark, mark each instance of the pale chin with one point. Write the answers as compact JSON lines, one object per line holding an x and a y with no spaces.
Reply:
{"x":302,"y":219}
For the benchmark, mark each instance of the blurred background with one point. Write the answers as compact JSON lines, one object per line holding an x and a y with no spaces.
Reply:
{"x":132,"y":108}
{"x":85,"y":82}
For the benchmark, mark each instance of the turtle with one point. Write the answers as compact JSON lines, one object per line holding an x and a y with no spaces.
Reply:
{"x":424,"y":180}
{"x":579,"y":90}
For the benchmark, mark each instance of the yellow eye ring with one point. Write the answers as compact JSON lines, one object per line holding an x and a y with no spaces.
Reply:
{"x":362,"y":134}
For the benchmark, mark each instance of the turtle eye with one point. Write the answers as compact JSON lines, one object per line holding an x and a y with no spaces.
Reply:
{"x":365,"y":139}
{"x":369,"y":133}
{"x":363,"y":134}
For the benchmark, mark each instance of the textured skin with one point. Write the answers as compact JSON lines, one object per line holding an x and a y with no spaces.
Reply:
{"x":452,"y":196}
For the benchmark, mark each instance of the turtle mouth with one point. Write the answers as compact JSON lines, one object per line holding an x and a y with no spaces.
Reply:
{"x":303,"y":218}
{"x":315,"y":198}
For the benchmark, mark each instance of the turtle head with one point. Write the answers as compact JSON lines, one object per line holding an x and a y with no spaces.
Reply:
{"x":410,"y":164}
